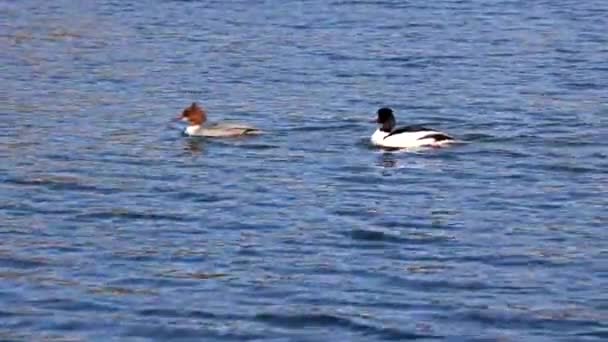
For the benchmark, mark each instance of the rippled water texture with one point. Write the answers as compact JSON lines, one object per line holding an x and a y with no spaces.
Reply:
{"x":113,"y":226}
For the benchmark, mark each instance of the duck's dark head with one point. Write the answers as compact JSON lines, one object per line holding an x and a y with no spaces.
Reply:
{"x":386,"y":119}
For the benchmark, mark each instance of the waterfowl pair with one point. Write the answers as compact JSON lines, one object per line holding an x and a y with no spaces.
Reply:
{"x":387,"y":135}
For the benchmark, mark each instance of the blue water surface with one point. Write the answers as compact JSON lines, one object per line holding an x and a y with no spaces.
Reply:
{"x":115,"y":227}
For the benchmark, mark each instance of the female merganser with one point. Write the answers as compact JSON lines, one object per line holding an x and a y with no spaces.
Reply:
{"x":196,"y":117}
{"x":405,"y":137}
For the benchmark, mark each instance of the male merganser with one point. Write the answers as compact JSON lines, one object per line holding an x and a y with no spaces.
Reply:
{"x":405,"y":137}
{"x":196,"y":117}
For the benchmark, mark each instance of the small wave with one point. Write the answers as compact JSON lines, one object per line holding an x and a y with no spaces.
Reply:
{"x":479,"y":137}
{"x":197,"y":314}
{"x":23,"y":263}
{"x":61,"y":184}
{"x":192,"y":275}
{"x":72,"y":305}
{"x":554,"y":319}
{"x":126,"y":214}
{"x":174,"y":332}
{"x":321,"y":128}
{"x":197,"y":197}
{"x":601,"y":334}
{"x":328,"y":320}
{"x":418,"y":239}
{"x":29,"y":209}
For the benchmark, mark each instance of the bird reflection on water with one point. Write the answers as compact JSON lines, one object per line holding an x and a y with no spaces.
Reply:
{"x":411,"y":160}
{"x":387,"y":160}
{"x":194,"y":146}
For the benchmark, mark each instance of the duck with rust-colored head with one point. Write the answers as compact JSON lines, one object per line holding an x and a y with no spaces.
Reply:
{"x":196,"y":117}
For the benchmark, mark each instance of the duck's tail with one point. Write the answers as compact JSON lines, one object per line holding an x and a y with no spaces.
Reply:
{"x":253,"y":131}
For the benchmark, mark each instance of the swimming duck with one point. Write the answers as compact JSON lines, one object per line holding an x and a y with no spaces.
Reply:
{"x":196,"y":116}
{"x":405,"y":137}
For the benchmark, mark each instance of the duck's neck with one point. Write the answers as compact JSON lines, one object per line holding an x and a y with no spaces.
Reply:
{"x":388,"y":125}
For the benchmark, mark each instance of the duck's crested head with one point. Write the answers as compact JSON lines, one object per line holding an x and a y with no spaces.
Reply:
{"x":385,"y":114}
{"x":194,"y":114}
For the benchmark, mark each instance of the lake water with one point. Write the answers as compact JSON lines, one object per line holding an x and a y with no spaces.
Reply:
{"x":114,"y":226}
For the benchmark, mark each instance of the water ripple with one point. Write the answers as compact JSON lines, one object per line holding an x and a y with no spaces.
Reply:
{"x":115,"y":226}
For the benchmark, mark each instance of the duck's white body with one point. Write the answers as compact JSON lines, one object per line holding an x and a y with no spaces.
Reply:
{"x":220,"y":130}
{"x":388,"y":135}
{"x":410,"y":139}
